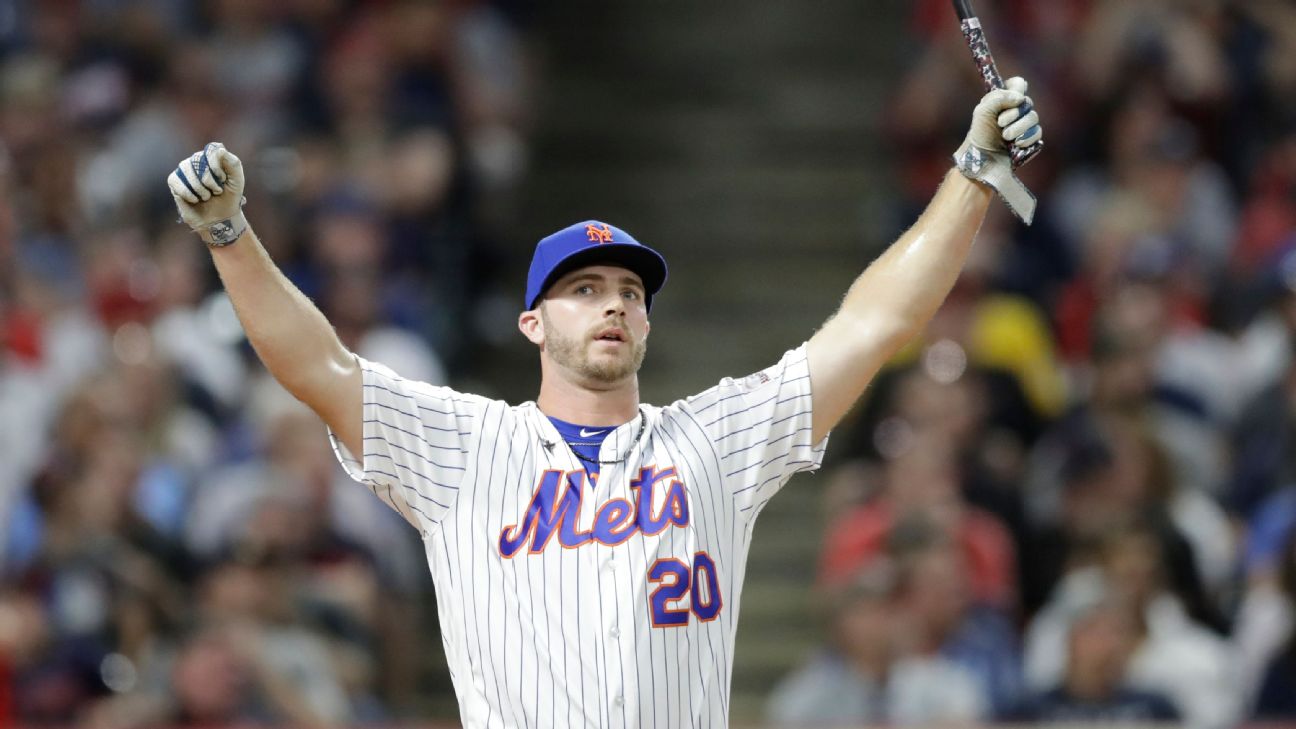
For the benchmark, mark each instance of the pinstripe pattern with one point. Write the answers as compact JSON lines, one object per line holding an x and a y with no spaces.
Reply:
{"x":564,"y":637}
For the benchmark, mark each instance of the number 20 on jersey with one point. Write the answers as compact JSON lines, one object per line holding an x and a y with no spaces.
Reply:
{"x":677,"y":581}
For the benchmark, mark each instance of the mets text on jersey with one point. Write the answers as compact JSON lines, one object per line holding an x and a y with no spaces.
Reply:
{"x":615,"y":521}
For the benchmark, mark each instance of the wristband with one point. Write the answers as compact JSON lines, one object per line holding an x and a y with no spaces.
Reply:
{"x":995,"y":169}
{"x":223,"y":232}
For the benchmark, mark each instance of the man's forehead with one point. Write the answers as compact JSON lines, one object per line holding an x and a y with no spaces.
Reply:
{"x":603,"y":272}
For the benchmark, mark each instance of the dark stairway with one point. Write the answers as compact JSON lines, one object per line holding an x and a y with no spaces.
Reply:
{"x":737,"y":137}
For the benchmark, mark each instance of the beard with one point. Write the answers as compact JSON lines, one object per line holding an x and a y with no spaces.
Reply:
{"x":573,"y":353}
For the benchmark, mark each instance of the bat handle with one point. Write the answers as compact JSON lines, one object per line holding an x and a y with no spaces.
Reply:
{"x":990,"y":77}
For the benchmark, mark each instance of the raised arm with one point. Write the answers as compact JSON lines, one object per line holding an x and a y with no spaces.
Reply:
{"x":289,"y":334}
{"x":893,"y":299}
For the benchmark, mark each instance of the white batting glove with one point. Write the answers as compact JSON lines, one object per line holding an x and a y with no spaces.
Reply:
{"x":1003,"y":117}
{"x":208,"y":190}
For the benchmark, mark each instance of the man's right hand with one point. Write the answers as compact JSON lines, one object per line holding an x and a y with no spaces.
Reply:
{"x":208,"y":190}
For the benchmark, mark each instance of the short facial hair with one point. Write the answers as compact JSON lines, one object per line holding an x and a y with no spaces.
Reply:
{"x":573,"y":353}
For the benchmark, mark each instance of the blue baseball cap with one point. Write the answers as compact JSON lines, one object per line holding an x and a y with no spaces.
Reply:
{"x":590,"y":243}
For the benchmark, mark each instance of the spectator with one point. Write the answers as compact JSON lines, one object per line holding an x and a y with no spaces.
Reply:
{"x":1263,"y":462}
{"x":922,"y":479}
{"x":51,"y":680}
{"x":863,"y":676}
{"x":253,"y":593}
{"x":1100,"y":465}
{"x":354,"y":570}
{"x":944,"y":621}
{"x":1264,"y":633}
{"x":1274,"y":698}
{"x":129,"y":406}
{"x":362,"y":298}
{"x":1175,"y":656}
{"x":1094,"y":689}
{"x":213,"y":678}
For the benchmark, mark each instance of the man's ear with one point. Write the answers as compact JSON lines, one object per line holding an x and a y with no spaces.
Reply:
{"x":531,"y":325}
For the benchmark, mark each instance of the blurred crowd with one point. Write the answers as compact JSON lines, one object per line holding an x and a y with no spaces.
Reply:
{"x":1075,"y":498}
{"x":177,"y":544}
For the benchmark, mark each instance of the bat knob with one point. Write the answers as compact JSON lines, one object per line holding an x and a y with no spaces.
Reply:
{"x":1022,"y":155}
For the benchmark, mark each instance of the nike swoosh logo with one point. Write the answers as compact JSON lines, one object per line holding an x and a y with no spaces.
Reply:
{"x":589,"y":433}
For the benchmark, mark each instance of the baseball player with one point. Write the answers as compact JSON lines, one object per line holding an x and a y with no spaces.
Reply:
{"x":588,"y":550}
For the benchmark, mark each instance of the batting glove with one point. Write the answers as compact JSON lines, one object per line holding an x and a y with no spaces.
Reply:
{"x":208,"y":190}
{"x":1004,"y":117}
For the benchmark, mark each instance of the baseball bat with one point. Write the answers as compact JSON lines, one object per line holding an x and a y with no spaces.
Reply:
{"x":990,"y":77}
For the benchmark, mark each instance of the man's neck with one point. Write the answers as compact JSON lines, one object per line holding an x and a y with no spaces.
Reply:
{"x":593,"y":406}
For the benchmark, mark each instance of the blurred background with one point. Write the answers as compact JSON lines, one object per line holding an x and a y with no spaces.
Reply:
{"x":1073,"y":499}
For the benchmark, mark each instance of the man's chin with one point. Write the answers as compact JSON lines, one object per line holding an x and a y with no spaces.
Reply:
{"x":610,"y":369}
{"x":612,"y":375}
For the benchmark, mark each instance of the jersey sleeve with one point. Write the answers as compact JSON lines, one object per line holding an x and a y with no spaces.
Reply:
{"x":416,"y":441}
{"x":761,"y":428}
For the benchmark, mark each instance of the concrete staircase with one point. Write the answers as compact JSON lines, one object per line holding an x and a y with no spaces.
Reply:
{"x":737,"y":137}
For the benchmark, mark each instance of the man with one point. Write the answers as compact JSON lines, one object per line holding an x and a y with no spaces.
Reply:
{"x":868,"y":673}
{"x":1095,"y":688}
{"x":620,"y":611}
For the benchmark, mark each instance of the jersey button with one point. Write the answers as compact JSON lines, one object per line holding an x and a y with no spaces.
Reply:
{"x":619,"y":700}
{"x":615,"y":633}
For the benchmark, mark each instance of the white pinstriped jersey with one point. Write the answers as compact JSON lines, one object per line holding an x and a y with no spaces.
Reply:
{"x":569,"y":601}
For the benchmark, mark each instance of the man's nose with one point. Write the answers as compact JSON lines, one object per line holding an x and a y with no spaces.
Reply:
{"x":615,"y":306}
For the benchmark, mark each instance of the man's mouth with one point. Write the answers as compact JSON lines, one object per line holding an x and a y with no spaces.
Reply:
{"x":611,"y":334}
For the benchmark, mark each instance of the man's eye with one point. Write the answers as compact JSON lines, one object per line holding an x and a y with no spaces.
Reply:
{"x":630,"y":294}
{"x":586,"y":289}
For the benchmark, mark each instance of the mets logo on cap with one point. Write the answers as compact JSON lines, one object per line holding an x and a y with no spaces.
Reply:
{"x":598,"y":234}
{"x":589,"y":243}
